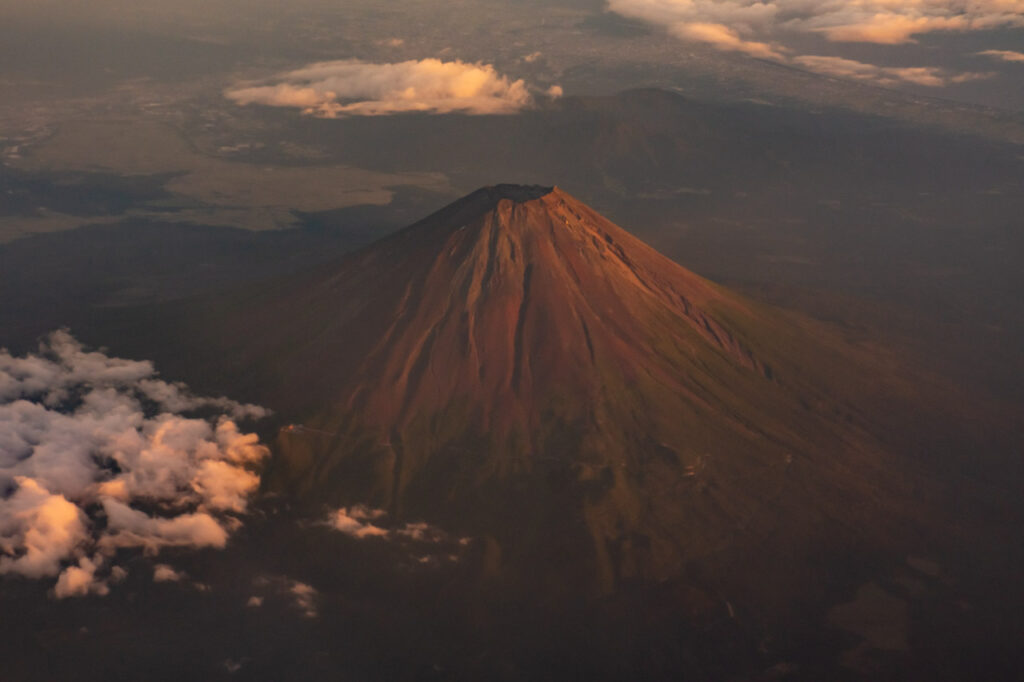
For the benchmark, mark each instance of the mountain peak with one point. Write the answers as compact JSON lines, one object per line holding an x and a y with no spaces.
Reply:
{"x":517,"y":193}
{"x":504,"y":301}
{"x":488,"y":199}
{"x":516,"y":365}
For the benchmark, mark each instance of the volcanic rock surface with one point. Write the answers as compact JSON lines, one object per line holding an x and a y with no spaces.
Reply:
{"x":519,"y":369}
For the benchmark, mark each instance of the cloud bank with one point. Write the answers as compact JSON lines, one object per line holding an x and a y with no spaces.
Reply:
{"x":1003,"y":55}
{"x":351,"y":87}
{"x":767,"y":28}
{"x":98,"y":454}
{"x":886,"y":22}
{"x":928,"y":76}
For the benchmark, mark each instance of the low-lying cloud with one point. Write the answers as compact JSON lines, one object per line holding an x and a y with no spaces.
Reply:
{"x":351,"y":87}
{"x":162,"y":573}
{"x":769,"y":29}
{"x":726,"y":38}
{"x":928,"y":76}
{"x":358,"y":522}
{"x":362,"y":522}
{"x":98,"y":454}
{"x":429,"y":543}
{"x":885,"y":22}
{"x":302,"y":596}
{"x":1004,"y":55}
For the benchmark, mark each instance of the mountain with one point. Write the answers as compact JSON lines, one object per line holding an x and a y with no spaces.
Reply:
{"x":517,"y":368}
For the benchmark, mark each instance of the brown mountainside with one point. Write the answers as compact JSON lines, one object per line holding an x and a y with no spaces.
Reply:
{"x":517,"y":367}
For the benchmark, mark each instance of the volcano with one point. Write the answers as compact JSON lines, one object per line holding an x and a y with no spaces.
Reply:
{"x":516,"y":367}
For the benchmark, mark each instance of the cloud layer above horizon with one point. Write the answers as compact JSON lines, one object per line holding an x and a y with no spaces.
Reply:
{"x":351,"y":87}
{"x":768,"y":29}
{"x":98,"y":454}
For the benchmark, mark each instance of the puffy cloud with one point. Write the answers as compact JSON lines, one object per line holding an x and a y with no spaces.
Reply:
{"x":305,"y":597}
{"x":162,"y":573}
{"x":362,"y":522}
{"x":225,"y":485}
{"x":351,"y":87}
{"x":128,"y":527}
{"x":884,"y":28}
{"x":356,"y":522}
{"x":175,"y":397}
{"x":80,"y":580}
{"x":891,"y":23}
{"x":761,"y":28}
{"x":1003,"y":55}
{"x":870,"y":21}
{"x":882,"y":75}
{"x":746,"y":16}
{"x":38,"y":529}
{"x":302,"y":596}
{"x":97,"y":453}
{"x":65,"y":364}
{"x":725,"y":38}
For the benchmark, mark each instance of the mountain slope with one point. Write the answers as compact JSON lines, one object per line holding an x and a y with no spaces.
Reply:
{"x":517,"y":368}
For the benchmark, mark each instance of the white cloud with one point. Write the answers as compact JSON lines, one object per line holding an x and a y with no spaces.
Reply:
{"x":175,"y":397}
{"x":887,"y":76}
{"x":363,"y":522}
{"x":762,"y":28}
{"x":356,"y":522}
{"x":725,"y":38}
{"x":80,"y":580}
{"x":85,"y":437}
{"x":869,"y":21}
{"x":162,"y":573}
{"x":351,"y":87}
{"x":38,"y":529}
{"x":305,"y":597}
{"x":889,"y":22}
{"x":128,"y":527}
{"x":1003,"y":55}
